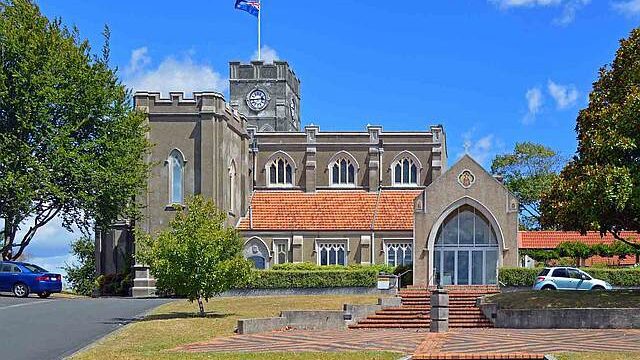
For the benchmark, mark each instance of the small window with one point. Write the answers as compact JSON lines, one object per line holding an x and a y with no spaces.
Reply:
{"x":560,"y":273}
{"x":281,"y":250}
{"x":399,"y":253}
{"x":280,"y":173}
{"x":405,"y":172}
{"x":343,"y":172}
{"x":332,"y":253}
{"x":176,"y":177}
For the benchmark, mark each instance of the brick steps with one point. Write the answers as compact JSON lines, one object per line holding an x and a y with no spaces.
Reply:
{"x":414,"y":311}
{"x":479,"y":356}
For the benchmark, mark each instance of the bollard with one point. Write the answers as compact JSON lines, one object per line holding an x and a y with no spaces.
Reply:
{"x":439,"y":312}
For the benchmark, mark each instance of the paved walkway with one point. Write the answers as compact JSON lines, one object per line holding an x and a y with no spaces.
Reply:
{"x":403,"y":341}
{"x":524,"y":343}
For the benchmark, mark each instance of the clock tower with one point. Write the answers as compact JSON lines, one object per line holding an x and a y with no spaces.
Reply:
{"x":268,"y":94}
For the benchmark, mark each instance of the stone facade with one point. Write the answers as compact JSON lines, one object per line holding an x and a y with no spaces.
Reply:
{"x":357,"y":197}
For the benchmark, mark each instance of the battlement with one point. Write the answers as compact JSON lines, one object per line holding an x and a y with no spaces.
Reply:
{"x":261,"y":71}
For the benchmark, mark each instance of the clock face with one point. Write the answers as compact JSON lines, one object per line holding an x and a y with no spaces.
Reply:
{"x":257,"y":100}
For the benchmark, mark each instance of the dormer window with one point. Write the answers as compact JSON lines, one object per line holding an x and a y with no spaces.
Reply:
{"x":280,"y":172}
{"x":405,"y":170}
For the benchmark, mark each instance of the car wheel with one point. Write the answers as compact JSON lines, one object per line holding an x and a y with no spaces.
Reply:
{"x":21,"y":290}
{"x":597,"y":288}
{"x":548,"y":288}
{"x":44,"y":295}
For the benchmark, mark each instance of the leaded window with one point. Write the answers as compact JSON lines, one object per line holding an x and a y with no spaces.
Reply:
{"x":332,"y":253}
{"x":405,"y":172}
{"x":280,"y":173}
{"x":176,"y":177}
{"x":399,"y":254}
{"x":343,"y":172}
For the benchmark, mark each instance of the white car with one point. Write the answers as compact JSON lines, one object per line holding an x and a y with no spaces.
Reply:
{"x":568,"y":278}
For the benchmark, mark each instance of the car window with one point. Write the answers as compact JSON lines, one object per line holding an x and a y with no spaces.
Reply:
{"x":582,"y":273}
{"x":6,"y":268}
{"x":35,"y":268}
{"x":544,"y":272}
{"x":561,"y":273}
{"x":574,"y":274}
{"x":16,"y":269}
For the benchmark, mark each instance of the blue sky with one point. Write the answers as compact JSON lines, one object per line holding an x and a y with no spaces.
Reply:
{"x":493,"y":72}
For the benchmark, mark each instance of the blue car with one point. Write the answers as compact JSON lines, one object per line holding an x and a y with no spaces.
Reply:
{"x":568,"y":278}
{"x":23,"y":279}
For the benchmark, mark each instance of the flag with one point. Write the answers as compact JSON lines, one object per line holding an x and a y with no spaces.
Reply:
{"x":250,"y":6}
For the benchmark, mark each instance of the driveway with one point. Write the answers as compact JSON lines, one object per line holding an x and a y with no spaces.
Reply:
{"x":34,"y":328}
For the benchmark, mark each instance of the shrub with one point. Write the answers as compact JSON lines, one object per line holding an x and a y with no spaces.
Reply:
{"x":284,"y":279}
{"x":527,"y":277}
{"x":82,"y":273}
{"x":114,"y":284}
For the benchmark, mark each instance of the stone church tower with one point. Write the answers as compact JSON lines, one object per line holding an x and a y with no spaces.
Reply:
{"x":267,"y":94}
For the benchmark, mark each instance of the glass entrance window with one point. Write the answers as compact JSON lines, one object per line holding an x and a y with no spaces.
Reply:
{"x":466,"y":249}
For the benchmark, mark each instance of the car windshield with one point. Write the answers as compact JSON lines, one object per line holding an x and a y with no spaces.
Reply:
{"x":35,"y":268}
{"x":544,"y":272}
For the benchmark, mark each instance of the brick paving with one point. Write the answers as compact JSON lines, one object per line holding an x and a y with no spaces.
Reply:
{"x":523,"y":343}
{"x":403,"y":341}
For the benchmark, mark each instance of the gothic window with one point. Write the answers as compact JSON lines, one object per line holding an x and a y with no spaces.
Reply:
{"x":232,"y":187}
{"x":280,"y":172}
{"x":405,"y":172}
{"x":281,"y":250}
{"x":399,"y":253}
{"x":332,"y":253}
{"x":343,"y":172}
{"x":176,"y":177}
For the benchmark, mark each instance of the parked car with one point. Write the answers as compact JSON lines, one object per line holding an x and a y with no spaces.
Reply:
{"x":23,"y":279}
{"x":568,"y":278}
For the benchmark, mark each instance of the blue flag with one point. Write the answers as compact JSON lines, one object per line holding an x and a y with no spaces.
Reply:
{"x":250,"y":6}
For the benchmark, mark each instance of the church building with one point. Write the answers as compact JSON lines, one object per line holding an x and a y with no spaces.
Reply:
{"x":326,"y":197}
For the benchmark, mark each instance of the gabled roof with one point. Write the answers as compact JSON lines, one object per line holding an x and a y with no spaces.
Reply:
{"x":551,"y":239}
{"x":294,"y":210}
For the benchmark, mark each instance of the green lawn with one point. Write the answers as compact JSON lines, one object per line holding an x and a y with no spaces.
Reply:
{"x":175,"y":324}
{"x":599,"y":356}
{"x":567,"y":299}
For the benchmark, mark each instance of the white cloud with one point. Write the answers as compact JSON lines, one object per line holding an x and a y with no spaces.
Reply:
{"x":564,"y":95}
{"x":172,"y":74}
{"x":569,"y":7}
{"x":534,"y":104}
{"x":482,"y":149}
{"x":630,"y":7}
{"x":267,"y":54}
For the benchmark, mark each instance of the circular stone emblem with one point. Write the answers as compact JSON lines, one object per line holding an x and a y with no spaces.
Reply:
{"x":466,"y":179}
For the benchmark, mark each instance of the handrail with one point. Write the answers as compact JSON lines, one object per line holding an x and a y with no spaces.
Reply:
{"x":399,"y":278}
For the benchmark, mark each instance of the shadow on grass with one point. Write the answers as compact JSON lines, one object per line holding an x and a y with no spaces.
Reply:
{"x":186,"y":315}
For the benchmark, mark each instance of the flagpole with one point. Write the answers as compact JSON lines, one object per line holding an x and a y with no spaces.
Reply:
{"x":259,"y":13}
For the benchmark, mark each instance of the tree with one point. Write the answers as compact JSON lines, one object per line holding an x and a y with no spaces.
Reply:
{"x":528,"y":172}
{"x":71,"y":144}
{"x":82,"y":275}
{"x":197,"y":256}
{"x":599,"y":189}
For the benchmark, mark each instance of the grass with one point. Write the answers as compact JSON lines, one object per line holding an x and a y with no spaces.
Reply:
{"x":567,"y":299}
{"x":599,"y":356}
{"x":176,"y":323}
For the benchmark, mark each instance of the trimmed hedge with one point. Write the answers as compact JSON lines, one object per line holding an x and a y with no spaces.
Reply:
{"x":527,"y":277}
{"x":286,"y":279}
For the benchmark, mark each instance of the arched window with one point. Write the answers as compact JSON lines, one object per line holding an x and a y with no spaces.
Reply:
{"x":343,"y":171}
{"x":176,"y":177}
{"x":232,"y":187}
{"x":466,"y":249}
{"x":280,"y":172}
{"x":405,"y":172}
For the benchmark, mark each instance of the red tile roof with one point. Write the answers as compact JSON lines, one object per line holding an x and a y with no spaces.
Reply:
{"x":551,"y":239}
{"x":330,"y":210}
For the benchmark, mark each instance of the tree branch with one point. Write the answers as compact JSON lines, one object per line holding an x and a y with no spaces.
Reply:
{"x":620,"y":238}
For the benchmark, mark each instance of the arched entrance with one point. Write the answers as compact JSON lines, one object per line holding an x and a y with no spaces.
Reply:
{"x":257,"y":251}
{"x":466,"y":249}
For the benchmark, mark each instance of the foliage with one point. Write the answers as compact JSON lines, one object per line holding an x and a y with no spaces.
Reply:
{"x":307,"y":266}
{"x":114,"y":284}
{"x":82,"y":274}
{"x":71,"y":144}
{"x":579,"y":251}
{"x":518,"y":276}
{"x":528,"y":172}
{"x":600,"y":188}
{"x":197,"y":256}
{"x":287,"y":279}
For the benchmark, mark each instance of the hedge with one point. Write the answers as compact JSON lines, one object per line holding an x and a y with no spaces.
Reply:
{"x":527,"y":277}
{"x":285,"y":279}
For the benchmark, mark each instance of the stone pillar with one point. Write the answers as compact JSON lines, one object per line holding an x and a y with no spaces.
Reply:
{"x":365,"y":249}
{"x":439,"y":152}
{"x":439,"y":310}
{"x":310,"y":158}
{"x":375,"y":153}
{"x":296,"y":249}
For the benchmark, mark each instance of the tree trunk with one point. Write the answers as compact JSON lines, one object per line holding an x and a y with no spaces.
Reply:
{"x":201,"y":306}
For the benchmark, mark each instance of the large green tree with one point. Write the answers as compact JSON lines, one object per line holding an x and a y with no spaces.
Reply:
{"x":600,"y":188}
{"x":70,"y":143}
{"x":197,"y":256}
{"x":528,"y":171}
